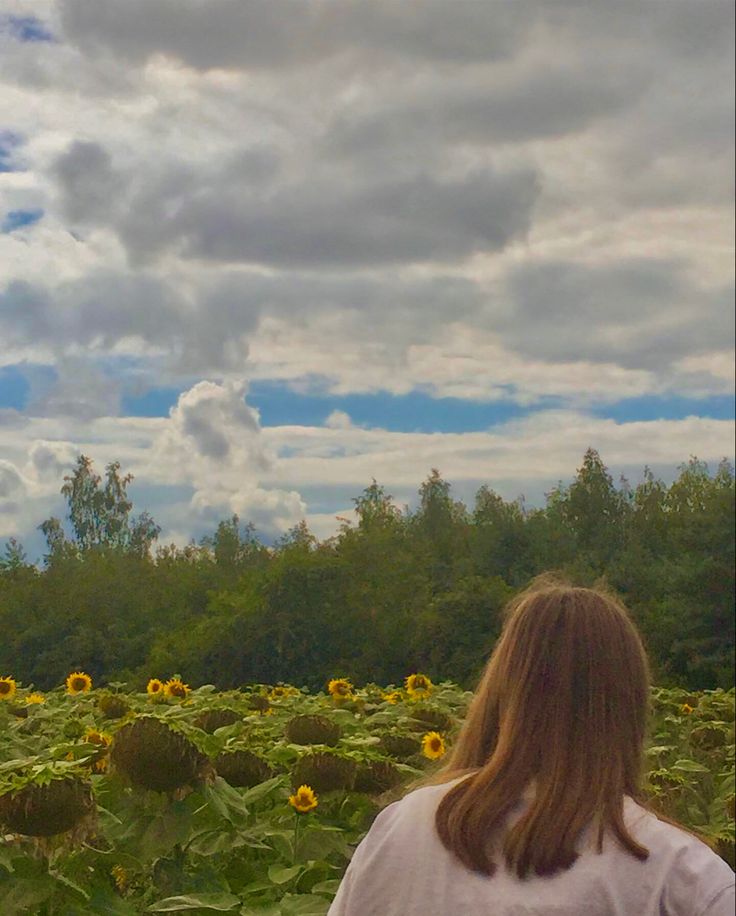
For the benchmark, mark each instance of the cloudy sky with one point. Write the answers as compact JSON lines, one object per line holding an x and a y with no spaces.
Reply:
{"x":261,"y":251}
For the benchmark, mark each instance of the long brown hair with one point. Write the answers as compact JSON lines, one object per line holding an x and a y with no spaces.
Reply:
{"x":564,"y":703}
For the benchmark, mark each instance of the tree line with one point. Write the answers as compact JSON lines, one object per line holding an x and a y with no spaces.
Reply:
{"x":394,"y":591}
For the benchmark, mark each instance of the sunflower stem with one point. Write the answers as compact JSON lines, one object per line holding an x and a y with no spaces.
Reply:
{"x":296,"y":837}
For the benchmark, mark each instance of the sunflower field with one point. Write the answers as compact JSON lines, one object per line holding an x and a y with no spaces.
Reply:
{"x":251,"y":801}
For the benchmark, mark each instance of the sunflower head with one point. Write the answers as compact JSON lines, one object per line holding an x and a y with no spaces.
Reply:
{"x":303,"y":800}
{"x":213,"y":719}
{"x":100,"y":765}
{"x":46,"y":810}
{"x":149,"y":754}
{"x":261,"y":704}
{"x":282,"y":691}
{"x":398,"y":745}
{"x":377,"y":776}
{"x":418,"y":685}
{"x":312,"y":730}
{"x":176,"y":688}
{"x":242,"y":768}
{"x":92,"y":736}
{"x":686,"y":709}
{"x":393,"y":697}
{"x":7,"y":688}
{"x":78,"y":682}
{"x":340,"y":688}
{"x":154,"y":687}
{"x":112,"y":706}
{"x":121,"y":878}
{"x":35,"y":698}
{"x":433,"y":745}
{"x":324,"y":771}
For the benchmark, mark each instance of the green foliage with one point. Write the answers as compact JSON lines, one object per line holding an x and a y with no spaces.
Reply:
{"x":99,"y":515}
{"x":396,"y":590}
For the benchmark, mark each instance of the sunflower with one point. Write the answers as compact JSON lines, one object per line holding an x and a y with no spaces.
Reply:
{"x":418,"y":685}
{"x":175,"y":687}
{"x":34,"y":698}
{"x":392,"y":698}
{"x":303,"y":800}
{"x":154,"y":686}
{"x":433,"y":745}
{"x":340,"y":688}
{"x":100,"y":765}
{"x":7,"y":688}
{"x":92,"y":736}
{"x":281,"y":691}
{"x":78,"y":682}
{"x":103,"y":742}
{"x":686,"y":708}
{"x":121,"y":878}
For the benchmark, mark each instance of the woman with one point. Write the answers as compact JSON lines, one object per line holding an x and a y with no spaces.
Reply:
{"x":540,"y":808}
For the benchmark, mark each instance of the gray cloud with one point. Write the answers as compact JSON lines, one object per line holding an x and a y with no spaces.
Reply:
{"x":209,"y":330}
{"x":88,"y":183}
{"x":50,"y":459}
{"x":81,"y":390}
{"x":12,"y":488}
{"x":250,"y":34}
{"x":421,"y":219}
{"x":548,"y":102}
{"x":97,"y":310}
{"x":321,"y":222}
{"x":328,"y":169}
{"x":639,"y":313}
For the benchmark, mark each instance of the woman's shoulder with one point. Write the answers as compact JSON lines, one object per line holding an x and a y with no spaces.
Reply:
{"x":429,"y":795}
{"x":687,"y":859}
{"x":417,"y":803}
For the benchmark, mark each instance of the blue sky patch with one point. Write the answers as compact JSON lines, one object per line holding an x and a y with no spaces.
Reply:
{"x":14,"y":388}
{"x":9,"y":141}
{"x":413,"y":412}
{"x":417,"y":412}
{"x":154,"y":403}
{"x":19,"y":383}
{"x":19,"y":219}
{"x":657,"y":407}
{"x":25,"y":28}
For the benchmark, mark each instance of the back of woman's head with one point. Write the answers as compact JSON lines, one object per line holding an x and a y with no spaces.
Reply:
{"x":563,"y":704}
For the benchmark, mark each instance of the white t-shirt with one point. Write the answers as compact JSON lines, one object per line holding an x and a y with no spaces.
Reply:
{"x":402,"y":869}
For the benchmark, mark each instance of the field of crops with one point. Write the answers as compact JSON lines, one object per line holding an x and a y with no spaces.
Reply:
{"x":250,"y":801}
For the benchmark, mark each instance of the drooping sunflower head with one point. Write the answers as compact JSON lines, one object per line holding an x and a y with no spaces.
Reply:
{"x":242,"y":768}
{"x":312,"y":730}
{"x":393,"y":697}
{"x":433,"y":745}
{"x":418,"y":685}
{"x":303,"y":800}
{"x":176,"y":688}
{"x":340,"y":688}
{"x":78,"y":682}
{"x":7,"y":688}
{"x":260,"y":704}
{"x":154,"y":687}
{"x":35,"y":698}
